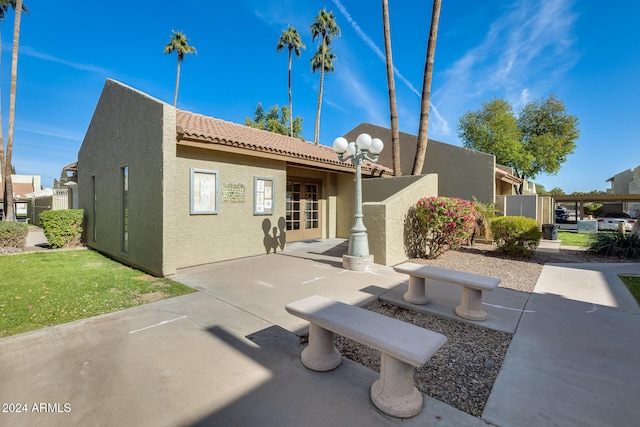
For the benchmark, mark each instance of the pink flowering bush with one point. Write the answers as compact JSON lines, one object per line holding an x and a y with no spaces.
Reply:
{"x":444,"y":223}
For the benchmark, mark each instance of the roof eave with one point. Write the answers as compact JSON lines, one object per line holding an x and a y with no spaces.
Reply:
{"x":239,"y":148}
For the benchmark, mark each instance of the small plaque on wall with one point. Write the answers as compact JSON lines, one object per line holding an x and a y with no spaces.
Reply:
{"x":233,"y":193}
{"x":263,"y":196}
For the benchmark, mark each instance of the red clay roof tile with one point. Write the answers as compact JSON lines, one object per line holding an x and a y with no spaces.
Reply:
{"x":210,"y":130}
{"x":21,"y":189}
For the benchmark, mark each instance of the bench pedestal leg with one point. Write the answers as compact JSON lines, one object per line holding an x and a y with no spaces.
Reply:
{"x":416,"y":293}
{"x":471,"y":307}
{"x":321,"y":353}
{"x":395,"y":393}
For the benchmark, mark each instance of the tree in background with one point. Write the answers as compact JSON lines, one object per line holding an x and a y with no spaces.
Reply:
{"x":537,"y":141}
{"x":593,"y":209}
{"x":325,"y":27}
{"x":393,"y":106}
{"x":540,"y":190}
{"x":290,"y":38}
{"x":556,"y":191}
{"x":548,"y":133}
{"x":423,"y":130}
{"x":589,"y":193}
{"x":9,"y":211}
{"x":178,"y":43}
{"x":276,"y":120}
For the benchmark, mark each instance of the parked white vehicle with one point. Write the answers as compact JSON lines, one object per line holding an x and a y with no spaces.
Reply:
{"x":611,"y":221}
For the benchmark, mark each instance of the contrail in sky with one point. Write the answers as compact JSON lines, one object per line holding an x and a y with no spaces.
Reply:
{"x":367,"y":40}
{"x":442,"y":124}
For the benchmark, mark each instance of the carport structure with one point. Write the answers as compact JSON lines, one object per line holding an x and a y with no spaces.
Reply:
{"x":580,"y":201}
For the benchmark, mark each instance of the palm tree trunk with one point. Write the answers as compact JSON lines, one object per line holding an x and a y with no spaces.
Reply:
{"x":290,"y":99}
{"x":316,"y":138}
{"x":423,"y":131}
{"x":393,"y":107}
{"x":10,"y":212}
{"x":2,"y":165}
{"x":175,"y":96}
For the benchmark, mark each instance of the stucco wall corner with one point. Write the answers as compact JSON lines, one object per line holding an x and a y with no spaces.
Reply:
{"x":385,"y":220}
{"x":169,"y":190}
{"x":375,"y":215}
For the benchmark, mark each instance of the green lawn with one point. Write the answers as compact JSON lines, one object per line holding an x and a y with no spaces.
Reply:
{"x":571,"y":238}
{"x":633,"y":284}
{"x":48,"y":288}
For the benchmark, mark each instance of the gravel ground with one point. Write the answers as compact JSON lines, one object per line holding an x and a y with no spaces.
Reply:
{"x":463,"y":371}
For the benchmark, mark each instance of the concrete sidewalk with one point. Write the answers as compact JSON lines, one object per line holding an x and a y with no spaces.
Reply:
{"x":229,"y":354}
{"x":36,"y":237}
{"x":574,"y":358}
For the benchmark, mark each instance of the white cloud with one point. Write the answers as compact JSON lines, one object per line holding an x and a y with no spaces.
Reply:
{"x":353,"y":88}
{"x":439,"y":125}
{"x":524,"y":52}
{"x":40,"y":129}
{"x":26,"y":50}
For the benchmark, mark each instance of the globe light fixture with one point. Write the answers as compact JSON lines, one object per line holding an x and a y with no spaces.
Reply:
{"x":340,"y":145}
{"x":364,"y":148}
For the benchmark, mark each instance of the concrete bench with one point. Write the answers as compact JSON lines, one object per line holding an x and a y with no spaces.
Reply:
{"x":472,"y":287}
{"x":403,"y":346}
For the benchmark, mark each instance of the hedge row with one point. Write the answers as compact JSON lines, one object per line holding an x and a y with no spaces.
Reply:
{"x":62,"y":228}
{"x":13,"y":236}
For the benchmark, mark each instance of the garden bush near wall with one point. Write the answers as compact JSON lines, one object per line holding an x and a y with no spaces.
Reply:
{"x":516,"y":235}
{"x":444,"y":223}
{"x":62,"y":228}
{"x":13,"y":236}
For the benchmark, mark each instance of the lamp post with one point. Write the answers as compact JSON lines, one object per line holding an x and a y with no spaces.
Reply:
{"x":365,"y":148}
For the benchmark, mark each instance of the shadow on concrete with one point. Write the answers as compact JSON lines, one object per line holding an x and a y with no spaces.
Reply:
{"x":336,"y":251}
{"x":332,"y":263}
{"x":306,"y":249}
{"x":294,"y":395}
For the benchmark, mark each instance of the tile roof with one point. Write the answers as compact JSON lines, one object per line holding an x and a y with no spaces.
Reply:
{"x":20,"y":189}
{"x":199,"y":128}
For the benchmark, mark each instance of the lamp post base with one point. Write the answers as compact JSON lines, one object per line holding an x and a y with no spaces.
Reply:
{"x":357,"y":263}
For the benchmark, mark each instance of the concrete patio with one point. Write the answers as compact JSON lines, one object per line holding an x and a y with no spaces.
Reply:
{"x":229,"y":354}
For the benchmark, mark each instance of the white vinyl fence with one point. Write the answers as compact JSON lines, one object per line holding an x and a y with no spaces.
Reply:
{"x":47,"y":200}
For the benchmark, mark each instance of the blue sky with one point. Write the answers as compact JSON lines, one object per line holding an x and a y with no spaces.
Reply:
{"x":585,"y":53}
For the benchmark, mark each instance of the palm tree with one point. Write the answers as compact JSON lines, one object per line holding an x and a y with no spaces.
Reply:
{"x":324,"y":62}
{"x":179,"y":44}
{"x":9,"y":212}
{"x":324,"y":26}
{"x":423,"y":131}
{"x":291,"y":39}
{"x":393,"y":107}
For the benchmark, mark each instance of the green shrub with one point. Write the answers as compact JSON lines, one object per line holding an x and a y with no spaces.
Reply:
{"x":516,"y":235}
{"x":485,"y":213}
{"x":62,"y":228}
{"x":593,"y":209}
{"x":616,"y":244}
{"x":444,"y":223}
{"x":13,"y":236}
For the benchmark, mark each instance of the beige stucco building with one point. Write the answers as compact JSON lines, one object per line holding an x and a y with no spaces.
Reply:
{"x":462,"y":172}
{"x":22,"y":186}
{"x":164,"y":189}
